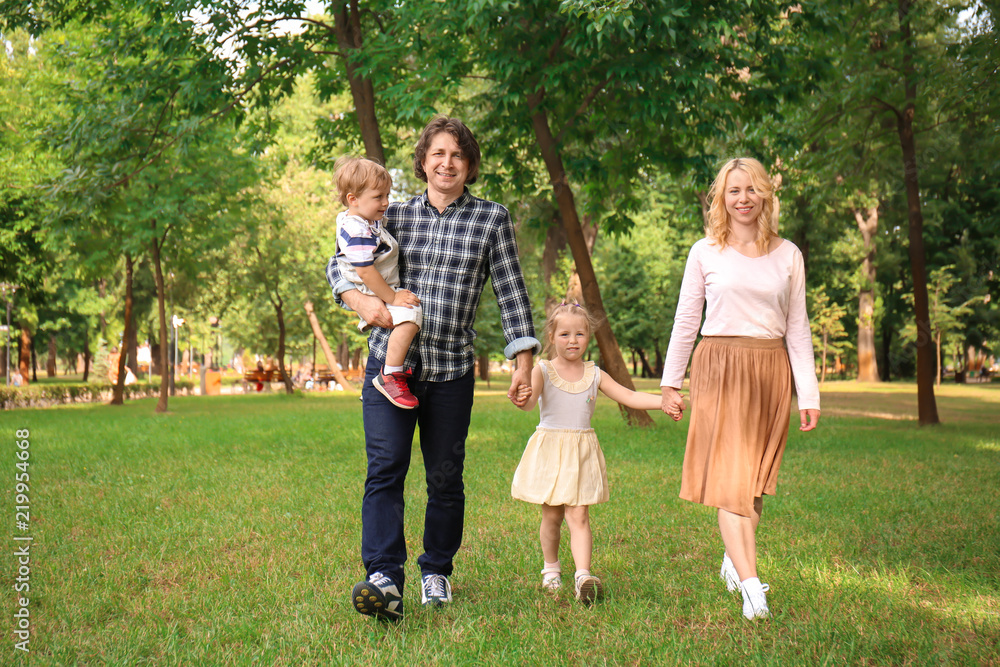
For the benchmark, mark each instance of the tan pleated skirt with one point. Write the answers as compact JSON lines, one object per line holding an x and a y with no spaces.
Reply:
{"x":741,"y":393}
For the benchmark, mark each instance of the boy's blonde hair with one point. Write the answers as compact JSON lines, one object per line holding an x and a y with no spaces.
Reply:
{"x":561,"y":310}
{"x":354,"y":175}
{"x":717,"y":224}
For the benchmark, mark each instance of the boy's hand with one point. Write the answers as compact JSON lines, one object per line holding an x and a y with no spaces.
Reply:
{"x":405,"y":297}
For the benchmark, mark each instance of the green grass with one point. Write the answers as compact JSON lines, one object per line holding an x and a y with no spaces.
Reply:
{"x":227,"y":532}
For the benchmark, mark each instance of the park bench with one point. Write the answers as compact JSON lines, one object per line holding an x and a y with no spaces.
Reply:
{"x":265,"y":376}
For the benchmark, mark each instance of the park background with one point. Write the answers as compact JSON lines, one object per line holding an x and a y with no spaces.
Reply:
{"x":165,"y":160}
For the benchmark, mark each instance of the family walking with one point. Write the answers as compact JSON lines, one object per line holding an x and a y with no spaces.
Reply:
{"x":414,"y":272}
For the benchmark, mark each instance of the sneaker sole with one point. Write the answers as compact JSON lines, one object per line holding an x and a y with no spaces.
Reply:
{"x":370,"y":601}
{"x":381,"y":390}
{"x":590,"y":591}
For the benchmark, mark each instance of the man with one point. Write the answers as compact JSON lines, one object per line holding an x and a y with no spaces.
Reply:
{"x":449,"y":243}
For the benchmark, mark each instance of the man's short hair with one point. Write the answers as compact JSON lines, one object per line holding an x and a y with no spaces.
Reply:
{"x":463,"y":136}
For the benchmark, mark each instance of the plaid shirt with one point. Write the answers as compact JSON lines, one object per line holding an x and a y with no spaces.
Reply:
{"x":445,"y":259}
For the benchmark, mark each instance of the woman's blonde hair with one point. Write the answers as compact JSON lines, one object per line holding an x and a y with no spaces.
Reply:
{"x":549,"y":332}
{"x":354,"y":175}
{"x":717,"y":224}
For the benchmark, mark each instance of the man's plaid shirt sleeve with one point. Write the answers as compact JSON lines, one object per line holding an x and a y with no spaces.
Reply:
{"x":512,"y":296}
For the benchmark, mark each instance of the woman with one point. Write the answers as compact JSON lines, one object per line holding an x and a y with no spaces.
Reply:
{"x":755,"y":339}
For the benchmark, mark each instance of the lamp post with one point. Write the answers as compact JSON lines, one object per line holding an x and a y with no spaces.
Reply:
{"x":177,"y":322}
{"x":216,"y":324}
{"x":8,"y":290}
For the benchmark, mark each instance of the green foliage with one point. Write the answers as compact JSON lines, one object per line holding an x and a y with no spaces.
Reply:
{"x":826,"y":319}
{"x":228,"y":534}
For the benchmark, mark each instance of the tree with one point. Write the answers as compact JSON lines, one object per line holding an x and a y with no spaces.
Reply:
{"x":600,"y":94}
{"x":946,"y":317}
{"x":132,"y":163}
{"x":827,"y":324}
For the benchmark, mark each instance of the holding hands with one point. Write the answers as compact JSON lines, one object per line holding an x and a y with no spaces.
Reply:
{"x":672,"y":403}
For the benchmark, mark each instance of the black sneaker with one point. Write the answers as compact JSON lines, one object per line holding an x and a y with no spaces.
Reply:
{"x":435,"y":590}
{"x":379,"y":596}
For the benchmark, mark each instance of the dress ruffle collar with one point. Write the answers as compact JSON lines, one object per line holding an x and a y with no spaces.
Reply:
{"x":578,"y":387}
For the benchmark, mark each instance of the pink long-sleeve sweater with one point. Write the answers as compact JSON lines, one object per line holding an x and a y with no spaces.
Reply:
{"x":755,"y":297}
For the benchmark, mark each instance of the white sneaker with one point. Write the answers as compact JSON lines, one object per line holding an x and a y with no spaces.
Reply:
{"x":755,"y":601}
{"x":435,"y":590}
{"x":728,"y":575}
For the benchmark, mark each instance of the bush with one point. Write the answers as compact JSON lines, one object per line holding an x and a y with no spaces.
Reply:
{"x":44,"y":395}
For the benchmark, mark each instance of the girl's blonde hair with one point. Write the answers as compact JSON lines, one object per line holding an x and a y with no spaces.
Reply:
{"x":717,"y":225}
{"x":354,"y":175}
{"x":549,"y":332}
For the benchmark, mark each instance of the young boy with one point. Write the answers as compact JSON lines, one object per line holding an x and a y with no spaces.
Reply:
{"x":368,"y":255}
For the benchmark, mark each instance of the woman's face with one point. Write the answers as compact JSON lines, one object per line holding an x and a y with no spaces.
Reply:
{"x":742,"y":204}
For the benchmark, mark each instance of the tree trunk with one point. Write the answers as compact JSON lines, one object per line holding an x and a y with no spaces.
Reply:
{"x":86,"y":353}
{"x":50,"y":363}
{"x":24,"y":356}
{"x":867,"y":362}
{"x":347,"y":25}
{"x":555,"y":242}
{"x":161,"y":306}
{"x":611,"y":355}
{"x":647,"y":370}
{"x":484,"y":367}
{"x":132,"y":342}
{"x":926,"y":403}
{"x":574,"y":290}
{"x":118,"y":395}
{"x":279,"y":313}
{"x":330,"y":359}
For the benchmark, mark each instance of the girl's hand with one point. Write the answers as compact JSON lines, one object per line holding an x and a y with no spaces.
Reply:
{"x":522,"y":395}
{"x":405,"y":297}
{"x":672,"y":403}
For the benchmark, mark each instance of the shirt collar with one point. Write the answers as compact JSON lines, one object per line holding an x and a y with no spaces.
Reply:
{"x":462,"y":200}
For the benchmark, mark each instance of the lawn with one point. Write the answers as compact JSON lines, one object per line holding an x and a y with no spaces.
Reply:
{"x":227,"y":533}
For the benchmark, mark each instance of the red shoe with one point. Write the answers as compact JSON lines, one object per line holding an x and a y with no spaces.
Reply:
{"x":395,"y":387}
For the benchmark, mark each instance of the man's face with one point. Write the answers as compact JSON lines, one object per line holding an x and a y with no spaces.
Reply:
{"x":446,"y":167}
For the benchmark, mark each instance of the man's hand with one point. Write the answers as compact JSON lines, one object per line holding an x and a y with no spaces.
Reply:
{"x":370,"y":308}
{"x":520,"y":379}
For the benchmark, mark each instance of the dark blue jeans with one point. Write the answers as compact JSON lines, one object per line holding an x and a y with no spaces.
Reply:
{"x":443,"y":417}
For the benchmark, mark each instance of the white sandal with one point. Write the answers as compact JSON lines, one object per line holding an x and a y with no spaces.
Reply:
{"x":589,"y":588}
{"x":551,"y":578}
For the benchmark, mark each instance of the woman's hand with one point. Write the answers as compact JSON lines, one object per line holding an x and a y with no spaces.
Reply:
{"x":808,"y":419}
{"x":672,"y":403}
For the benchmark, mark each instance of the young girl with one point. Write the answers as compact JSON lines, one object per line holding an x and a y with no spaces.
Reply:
{"x":562,"y":468}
